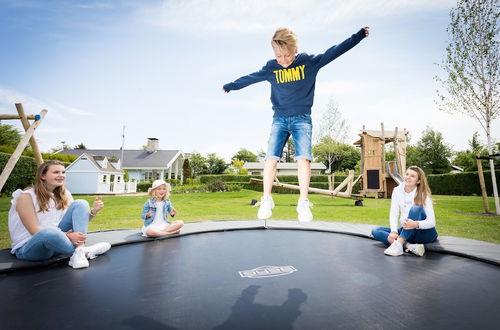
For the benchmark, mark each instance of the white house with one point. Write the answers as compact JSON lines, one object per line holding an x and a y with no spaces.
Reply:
{"x":90,"y":174}
{"x":143,"y":165}
{"x":255,"y":168}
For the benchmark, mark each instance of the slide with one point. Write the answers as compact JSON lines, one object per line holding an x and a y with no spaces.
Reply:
{"x":394,"y":174}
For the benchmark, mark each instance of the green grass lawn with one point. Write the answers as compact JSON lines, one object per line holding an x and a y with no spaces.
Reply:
{"x":456,"y":215}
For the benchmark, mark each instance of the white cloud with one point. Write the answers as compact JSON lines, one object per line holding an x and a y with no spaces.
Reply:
{"x":254,"y":16}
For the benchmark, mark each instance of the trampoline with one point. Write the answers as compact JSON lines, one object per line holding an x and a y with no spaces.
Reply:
{"x":250,"y":275}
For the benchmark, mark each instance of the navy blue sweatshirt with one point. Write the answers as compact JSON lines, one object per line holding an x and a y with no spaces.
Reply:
{"x":292,"y":88}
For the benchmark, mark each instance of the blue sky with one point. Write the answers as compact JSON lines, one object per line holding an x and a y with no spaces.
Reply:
{"x":157,"y":67}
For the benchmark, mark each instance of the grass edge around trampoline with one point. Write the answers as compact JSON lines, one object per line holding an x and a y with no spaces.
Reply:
{"x":459,"y":216}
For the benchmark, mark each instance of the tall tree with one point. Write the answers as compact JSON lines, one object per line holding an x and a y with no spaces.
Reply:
{"x":198,"y":164}
{"x":289,"y":151}
{"x":215,"y":164}
{"x":432,"y":153}
{"x":245,"y":156}
{"x":332,"y":124}
{"x":9,"y":136}
{"x":336,"y":156}
{"x":472,"y":67}
{"x":81,"y":146}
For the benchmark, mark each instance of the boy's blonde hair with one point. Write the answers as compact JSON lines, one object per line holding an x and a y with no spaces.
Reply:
{"x":285,"y":38}
{"x":423,"y":189}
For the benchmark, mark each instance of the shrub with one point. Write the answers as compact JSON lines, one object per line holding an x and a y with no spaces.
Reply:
{"x":216,"y":185}
{"x":22,"y":176}
{"x":190,"y":188}
{"x":464,"y":184}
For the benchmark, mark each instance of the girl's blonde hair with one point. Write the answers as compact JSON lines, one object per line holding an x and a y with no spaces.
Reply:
{"x":285,"y":38}
{"x":423,"y":189}
{"x":167,"y":194}
{"x":43,"y":195}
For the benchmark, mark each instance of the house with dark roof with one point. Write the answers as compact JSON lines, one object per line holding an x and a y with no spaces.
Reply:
{"x":142,"y":165}
{"x":90,"y":174}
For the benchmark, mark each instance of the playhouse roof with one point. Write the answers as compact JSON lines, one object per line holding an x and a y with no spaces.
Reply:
{"x":388,"y":135}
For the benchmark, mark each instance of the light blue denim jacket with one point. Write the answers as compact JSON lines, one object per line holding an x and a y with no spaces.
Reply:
{"x":151,"y":205}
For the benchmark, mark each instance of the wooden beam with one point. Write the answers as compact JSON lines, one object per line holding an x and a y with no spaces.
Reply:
{"x":26,"y":125}
{"x":19,"y":150}
{"x":4,"y":117}
{"x":483,"y":186}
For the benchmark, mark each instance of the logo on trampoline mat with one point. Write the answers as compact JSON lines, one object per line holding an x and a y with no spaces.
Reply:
{"x":267,"y":271}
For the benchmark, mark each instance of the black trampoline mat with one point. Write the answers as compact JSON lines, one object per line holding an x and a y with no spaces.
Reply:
{"x":193,"y":282}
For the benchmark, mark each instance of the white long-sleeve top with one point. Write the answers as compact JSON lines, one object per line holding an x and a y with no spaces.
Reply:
{"x":401,"y":203}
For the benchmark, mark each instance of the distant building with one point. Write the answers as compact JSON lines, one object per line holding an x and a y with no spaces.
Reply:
{"x":90,"y":174}
{"x":257,"y":168}
{"x":142,"y":165}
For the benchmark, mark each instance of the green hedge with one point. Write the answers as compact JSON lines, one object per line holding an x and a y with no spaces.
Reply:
{"x":22,"y":176}
{"x":462,"y":184}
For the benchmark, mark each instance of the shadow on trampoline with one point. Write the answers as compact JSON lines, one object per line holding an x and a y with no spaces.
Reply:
{"x":248,"y":315}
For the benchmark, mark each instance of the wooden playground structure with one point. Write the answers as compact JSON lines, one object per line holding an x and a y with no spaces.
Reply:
{"x":27,"y":138}
{"x":378,"y":176}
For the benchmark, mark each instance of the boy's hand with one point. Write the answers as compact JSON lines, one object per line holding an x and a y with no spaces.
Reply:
{"x":367,"y":30}
{"x":225,"y":91}
{"x":173,"y":213}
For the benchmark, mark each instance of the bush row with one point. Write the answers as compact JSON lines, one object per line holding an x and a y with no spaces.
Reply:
{"x":462,"y":184}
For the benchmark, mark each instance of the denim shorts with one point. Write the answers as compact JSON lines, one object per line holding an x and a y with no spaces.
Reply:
{"x":299,"y":127}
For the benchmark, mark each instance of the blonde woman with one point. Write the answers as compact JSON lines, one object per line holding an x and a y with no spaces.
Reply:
{"x":45,"y":221}
{"x":292,"y":76}
{"x":411,"y":207}
{"x":156,"y":211}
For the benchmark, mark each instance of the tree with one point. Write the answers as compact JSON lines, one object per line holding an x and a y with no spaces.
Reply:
{"x":63,"y":146}
{"x":332,"y":124}
{"x":186,"y":170}
{"x":9,"y":136}
{"x":472,"y":68}
{"x":431,"y":153}
{"x":245,"y":156}
{"x":81,"y":146}
{"x":336,"y":156}
{"x":198,"y":164}
{"x":288,"y":151}
{"x":215,"y":164}
{"x":467,"y":159}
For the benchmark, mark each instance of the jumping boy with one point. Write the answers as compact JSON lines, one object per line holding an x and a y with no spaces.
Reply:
{"x":292,"y":79}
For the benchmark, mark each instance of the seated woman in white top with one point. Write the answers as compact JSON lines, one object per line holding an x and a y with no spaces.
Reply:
{"x":411,"y":206}
{"x":45,"y":221}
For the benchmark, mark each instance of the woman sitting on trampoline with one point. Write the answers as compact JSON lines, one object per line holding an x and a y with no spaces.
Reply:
{"x":45,"y":221}
{"x":411,"y":203}
{"x":156,"y":210}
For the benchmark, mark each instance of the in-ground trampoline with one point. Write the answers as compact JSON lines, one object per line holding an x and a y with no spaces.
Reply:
{"x":253,"y":275}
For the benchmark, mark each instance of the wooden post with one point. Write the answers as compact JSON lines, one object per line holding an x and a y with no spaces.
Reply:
{"x":483,"y":186}
{"x":26,"y":125}
{"x":19,"y":150}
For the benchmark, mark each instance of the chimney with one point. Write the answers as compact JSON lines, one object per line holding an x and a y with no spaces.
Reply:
{"x":153,"y":145}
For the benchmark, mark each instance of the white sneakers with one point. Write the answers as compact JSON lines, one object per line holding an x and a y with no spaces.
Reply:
{"x":267,"y":204}
{"x":417,"y":249}
{"x":78,"y":259}
{"x":266,"y":207}
{"x":81,"y":254}
{"x":396,"y":249}
{"x":303,"y":210}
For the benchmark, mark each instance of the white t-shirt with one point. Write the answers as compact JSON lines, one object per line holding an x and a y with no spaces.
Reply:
{"x":50,"y":218}
{"x":402,"y":202}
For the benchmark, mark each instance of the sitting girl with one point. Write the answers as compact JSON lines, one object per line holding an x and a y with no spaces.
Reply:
{"x":156,"y":210}
{"x":410,"y":203}
{"x":45,"y":221}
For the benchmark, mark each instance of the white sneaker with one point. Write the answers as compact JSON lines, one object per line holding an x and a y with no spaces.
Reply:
{"x":396,"y":249}
{"x":78,"y":259}
{"x":304,"y":211}
{"x":93,"y":251}
{"x":266,"y":207}
{"x":417,"y":249}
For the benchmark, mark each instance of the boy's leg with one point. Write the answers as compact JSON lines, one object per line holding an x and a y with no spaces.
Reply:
{"x":301,"y":129}
{"x":269,"y":175}
{"x":45,"y":244}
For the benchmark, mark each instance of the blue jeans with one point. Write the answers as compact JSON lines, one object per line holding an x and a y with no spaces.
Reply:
{"x":51,"y":241}
{"x":420,"y":236}
{"x":299,"y":127}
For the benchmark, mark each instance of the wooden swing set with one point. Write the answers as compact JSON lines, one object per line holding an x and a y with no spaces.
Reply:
{"x":27,"y":138}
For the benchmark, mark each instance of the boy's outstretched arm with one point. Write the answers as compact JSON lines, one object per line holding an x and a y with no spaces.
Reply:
{"x":337,"y":50}
{"x":246,"y":80}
